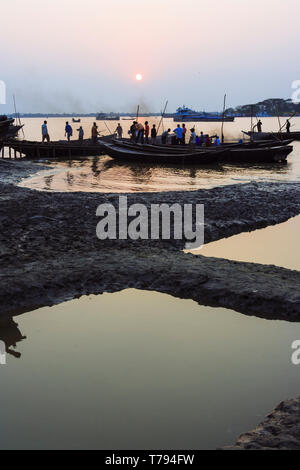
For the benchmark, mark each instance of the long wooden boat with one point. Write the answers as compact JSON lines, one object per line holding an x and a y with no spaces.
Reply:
{"x":137,"y":155}
{"x":273,"y":135}
{"x":186,"y":148}
{"x":57,"y":149}
{"x":259,"y":155}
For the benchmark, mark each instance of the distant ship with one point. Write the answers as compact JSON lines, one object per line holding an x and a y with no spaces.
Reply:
{"x":187,"y":114}
{"x":107,"y":117}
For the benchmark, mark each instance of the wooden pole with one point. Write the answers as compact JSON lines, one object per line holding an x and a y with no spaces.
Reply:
{"x":162,"y":116}
{"x":223,"y":117}
{"x":137,"y":113}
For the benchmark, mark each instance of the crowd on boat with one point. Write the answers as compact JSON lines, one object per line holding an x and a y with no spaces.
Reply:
{"x":140,"y":133}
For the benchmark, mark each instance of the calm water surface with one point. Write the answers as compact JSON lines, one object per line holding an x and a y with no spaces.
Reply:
{"x":103,"y":174}
{"x":142,"y":370}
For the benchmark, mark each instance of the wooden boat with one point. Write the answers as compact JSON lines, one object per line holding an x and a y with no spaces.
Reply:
{"x":139,"y":155}
{"x":273,"y":135}
{"x":58,"y":149}
{"x":76,"y":120}
{"x":186,"y":148}
{"x":259,"y":155}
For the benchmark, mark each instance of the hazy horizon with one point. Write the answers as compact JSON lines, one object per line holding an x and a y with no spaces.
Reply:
{"x":69,"y":56}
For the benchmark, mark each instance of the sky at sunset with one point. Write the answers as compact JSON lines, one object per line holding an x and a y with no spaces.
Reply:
{"x":83,"y":55}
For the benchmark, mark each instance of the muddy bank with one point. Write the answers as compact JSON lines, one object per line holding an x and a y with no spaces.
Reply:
{"x":49,"y":250}
{"x":279,"y":431}
{"x":49,"y":253}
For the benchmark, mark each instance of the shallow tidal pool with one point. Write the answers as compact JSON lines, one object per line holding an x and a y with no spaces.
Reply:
{"x":141,"y":370}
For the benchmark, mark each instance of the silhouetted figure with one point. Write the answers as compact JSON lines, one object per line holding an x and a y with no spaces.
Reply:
{"x":140,"y":132}
{"x":119,"y":131}
{"x":45,"y":134}
{"x":259,"y":126}
{"x":68,"y":131}
{"x":133,"y":131}
{"x":184,"y":133}
{"x":164,"y":136}
{"x":288,"y":126}
{"x":10,"y":335}
{"x":94,"y":133}
{"x":80,"y":133}
{"x":153,"y":134}
{"x":147,"y":132}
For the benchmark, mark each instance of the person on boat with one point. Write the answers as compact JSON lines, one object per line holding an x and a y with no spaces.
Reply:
{"x":164,"y":136}
{"x":193,"y":138}
{"x":179,"y":134}
{"x":184,"y":133}
{"x":119,"y":131}
{"x":95,"y":132}
{"x":217,"y":141}
{"x":202,"y":139}
{"x":140,"y":132}
{"x":259,"y":126}
{"x":147,"y":132}
{"x":288,"y":126}
{"x":68,"y":131}
{"x":133,"y":131}
{"x":153,"y":134}
{"x":207,"y":141}
{"x":80,"y":133}
{"x":45,"y":134}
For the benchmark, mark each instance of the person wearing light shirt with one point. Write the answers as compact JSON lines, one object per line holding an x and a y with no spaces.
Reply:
{"x":45,"y":135}
{"x":179,"y":134}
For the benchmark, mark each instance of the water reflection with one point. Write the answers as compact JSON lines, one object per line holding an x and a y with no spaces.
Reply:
{"x":104,"y":174}
{"x":10,"y":335}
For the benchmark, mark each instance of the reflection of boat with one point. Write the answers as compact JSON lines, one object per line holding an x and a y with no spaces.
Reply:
{"x":273,"y":135}
{"x":76,"y":120}
{"x":187,"y":114}
{"x":120,"y":152}
{"x":10,"y":335}
{"x":107,"y":117}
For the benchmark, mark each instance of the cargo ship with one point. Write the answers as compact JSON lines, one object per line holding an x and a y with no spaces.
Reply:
{"x":107,"y":117}
{"x":187,"y":114}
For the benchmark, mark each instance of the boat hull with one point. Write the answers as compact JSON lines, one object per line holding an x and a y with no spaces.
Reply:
{"x":273,"y":135}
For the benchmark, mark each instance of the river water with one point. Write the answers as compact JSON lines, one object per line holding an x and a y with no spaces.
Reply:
{"x":103,"y":174}
{"x":145,"y":370}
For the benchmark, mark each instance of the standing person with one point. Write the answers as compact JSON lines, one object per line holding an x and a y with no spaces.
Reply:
{"x":45,"y":135}
{"x":207,"y":141}
{"x":217,"y":141}
{"x":202,"y":139}
{"x":68,"y":131}
{"x":193,"y":138}
{"x":179,"y":134}
{"x":288,"y":126}
{"x":184,"y":134}
{"x":141,"y":130}
{"x":119,"y":131}
{"x":147,"y":132}
{"x":164,"y":136}
{"x":95,"y":132}
{"x":80,"y":133}
{"x":133,"y":131}
{"x":153,"y":134}
{"x":259,"y":126}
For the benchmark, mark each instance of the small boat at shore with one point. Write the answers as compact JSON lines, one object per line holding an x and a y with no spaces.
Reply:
{"x":279,"y":136}
{"x":277,"y":154}
{"x":76,"y":120}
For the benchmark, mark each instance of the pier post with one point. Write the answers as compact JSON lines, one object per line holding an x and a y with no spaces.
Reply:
{"x":9,"y":151}
{"x":3,"y":148}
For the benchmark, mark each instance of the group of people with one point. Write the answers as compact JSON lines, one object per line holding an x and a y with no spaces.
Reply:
{"x":259,"y":124}
{"x":69,"y":132}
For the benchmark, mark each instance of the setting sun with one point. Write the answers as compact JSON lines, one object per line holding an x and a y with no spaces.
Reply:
{"x":139,"y":77}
